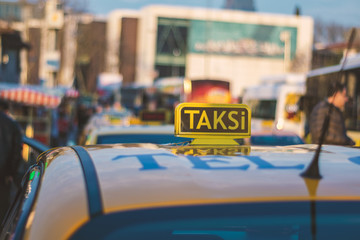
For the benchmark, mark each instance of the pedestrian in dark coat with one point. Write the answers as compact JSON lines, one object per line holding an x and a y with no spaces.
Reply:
{"x":10,"y":156}
{"x":336,"y":132}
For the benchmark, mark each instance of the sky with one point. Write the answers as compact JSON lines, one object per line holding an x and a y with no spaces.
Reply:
{"x":344,"y":12}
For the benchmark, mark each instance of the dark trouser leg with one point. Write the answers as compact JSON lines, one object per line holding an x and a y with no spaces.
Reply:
{"x":4,"y":200}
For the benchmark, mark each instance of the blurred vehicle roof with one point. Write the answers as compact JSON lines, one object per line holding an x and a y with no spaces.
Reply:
{"x":158,"y":134}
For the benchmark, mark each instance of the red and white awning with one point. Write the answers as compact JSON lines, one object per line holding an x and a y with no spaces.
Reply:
{"x":30,"y":97}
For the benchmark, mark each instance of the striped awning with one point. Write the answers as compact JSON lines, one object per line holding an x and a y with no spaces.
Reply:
{"x":30,"y":97}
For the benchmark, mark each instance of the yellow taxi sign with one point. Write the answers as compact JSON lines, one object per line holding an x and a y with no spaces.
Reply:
{"x":200,"y":120}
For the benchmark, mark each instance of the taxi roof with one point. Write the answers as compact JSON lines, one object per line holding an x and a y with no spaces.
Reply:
{"x":158,"y":172}
{"x":139,"y":176}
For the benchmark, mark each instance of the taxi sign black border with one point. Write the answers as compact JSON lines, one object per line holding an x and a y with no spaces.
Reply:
{"x":178,"y":131}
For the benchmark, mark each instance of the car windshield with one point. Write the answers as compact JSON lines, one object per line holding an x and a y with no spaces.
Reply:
{"x":275,"y":221}
{"x":264,"y":109}
{"x":140,"y":138}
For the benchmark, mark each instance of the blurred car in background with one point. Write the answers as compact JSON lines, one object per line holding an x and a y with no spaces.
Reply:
{"x":157,"y":134}
{"x":151,"y":127}
{"x":105,"y":118}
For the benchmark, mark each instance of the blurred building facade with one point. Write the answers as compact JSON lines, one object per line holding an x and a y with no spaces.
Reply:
{"x":199,"y":43}
{"x":331,"y":54}
{"x":122,"y":43}
{"x":90,"y":52}
{"x":55,"y":46}
{"x":11,"y":45}
{"x":39,"y":25}
{"x":62,"y":46}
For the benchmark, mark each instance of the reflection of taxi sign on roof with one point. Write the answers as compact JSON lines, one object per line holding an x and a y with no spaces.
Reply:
{"x":212,"y":120}
{"x":211,"y":151}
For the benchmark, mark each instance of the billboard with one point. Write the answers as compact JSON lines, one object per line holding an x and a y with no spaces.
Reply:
{"x":209,"y":91}
{"x":241,"y":39}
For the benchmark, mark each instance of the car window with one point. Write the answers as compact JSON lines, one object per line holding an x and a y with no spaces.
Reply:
{"x":275,"y":221}
{"x":140,"y":138}
{"x":273,"y":140}
{"x":262,"y":108}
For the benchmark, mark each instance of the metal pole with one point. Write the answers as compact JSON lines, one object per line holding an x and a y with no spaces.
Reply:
{"x":285,"y":36}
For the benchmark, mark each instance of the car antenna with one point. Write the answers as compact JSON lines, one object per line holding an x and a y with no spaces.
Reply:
{"x":312,"y":170}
